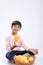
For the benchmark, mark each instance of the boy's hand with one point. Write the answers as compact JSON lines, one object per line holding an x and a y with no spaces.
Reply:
{"x":13,"y":47}
{"x":33,"y":51}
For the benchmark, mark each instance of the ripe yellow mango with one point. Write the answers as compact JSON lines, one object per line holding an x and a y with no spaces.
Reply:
{"x":16,"y":38}
{"x":22,"y":59}
{"x":31,"y":59}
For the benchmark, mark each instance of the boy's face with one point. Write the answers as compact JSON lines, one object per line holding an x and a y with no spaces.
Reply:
{"x":15,"y":28}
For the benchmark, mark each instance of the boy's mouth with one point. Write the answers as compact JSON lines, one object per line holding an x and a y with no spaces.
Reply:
{"x":15,"y":30}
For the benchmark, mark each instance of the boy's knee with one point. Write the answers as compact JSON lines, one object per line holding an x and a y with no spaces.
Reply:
{"x":7,"y":55}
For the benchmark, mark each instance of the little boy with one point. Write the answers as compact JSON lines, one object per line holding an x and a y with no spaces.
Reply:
{"x":19,"y":47}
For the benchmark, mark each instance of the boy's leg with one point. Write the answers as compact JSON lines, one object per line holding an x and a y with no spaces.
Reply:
{"x":24,"y":52}
{"x":10,"y":55}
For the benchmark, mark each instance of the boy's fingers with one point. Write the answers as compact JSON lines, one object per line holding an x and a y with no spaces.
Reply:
{"x":34,"y":51}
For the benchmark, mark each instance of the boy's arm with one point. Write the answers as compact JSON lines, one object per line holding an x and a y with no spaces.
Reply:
{"x":24,"y":45}
{"x":29,"y":50}
{"x":10,"y":45}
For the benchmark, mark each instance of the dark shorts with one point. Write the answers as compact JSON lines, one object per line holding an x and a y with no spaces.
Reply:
{"x":10,"y":55}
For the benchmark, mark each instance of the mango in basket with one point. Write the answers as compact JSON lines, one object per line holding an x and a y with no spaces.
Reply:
{"x":31,"y":59}
{"x":19,"y":58}
{"x":25,"y":59}
{"x":22,"y":59}
{"x":16,"y":38}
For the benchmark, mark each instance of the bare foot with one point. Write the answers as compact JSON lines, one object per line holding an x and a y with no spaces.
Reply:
{"x":12,"y":61}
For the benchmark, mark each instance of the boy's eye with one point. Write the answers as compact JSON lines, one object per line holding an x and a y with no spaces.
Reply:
{"x":17,"y":26}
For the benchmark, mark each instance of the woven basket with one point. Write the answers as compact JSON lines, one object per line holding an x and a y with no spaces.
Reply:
{"x":20,"y":63}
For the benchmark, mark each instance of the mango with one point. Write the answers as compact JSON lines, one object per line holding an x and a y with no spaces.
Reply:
{"x":16,"y":38}
{"x":22,"y":59}
{"x":31,"y":59}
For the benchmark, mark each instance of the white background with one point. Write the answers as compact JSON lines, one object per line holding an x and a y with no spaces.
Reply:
{"x":30,"y":13}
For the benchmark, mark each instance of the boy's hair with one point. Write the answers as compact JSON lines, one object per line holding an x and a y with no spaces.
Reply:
{"x":16,"y":22}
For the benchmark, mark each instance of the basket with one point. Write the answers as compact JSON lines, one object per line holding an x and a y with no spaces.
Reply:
{"x":22,"y":63}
